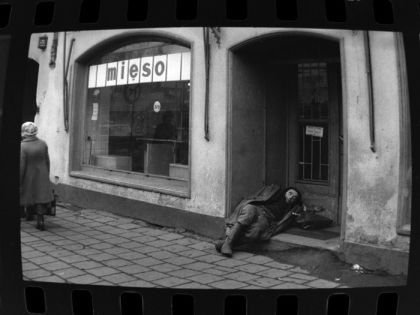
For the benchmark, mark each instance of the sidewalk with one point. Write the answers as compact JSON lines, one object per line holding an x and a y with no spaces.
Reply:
{"x":97,"y":247}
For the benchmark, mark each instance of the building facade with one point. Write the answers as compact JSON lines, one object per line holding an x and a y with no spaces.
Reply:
{"x":175,"y":126}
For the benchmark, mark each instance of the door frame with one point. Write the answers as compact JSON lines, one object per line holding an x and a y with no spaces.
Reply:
{"x":343,"y":171}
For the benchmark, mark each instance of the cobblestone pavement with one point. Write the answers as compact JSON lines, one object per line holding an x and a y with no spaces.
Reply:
{"x":97,"y":247}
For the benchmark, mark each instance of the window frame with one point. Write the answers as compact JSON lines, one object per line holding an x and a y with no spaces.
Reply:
{"x":78,"y":95}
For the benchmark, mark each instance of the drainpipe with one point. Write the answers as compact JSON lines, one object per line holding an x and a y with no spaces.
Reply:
{"x":207,"y":70}
{"x":66,"y":62}
{"x":370,"y":91}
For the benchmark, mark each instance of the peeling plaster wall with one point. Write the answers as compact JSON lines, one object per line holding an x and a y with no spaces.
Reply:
{"x":370,"y":200}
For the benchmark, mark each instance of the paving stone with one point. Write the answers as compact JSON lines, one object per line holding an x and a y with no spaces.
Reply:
{"x":43,"y":260}
{"x":119,"y":278}
{"x":88,"y":251}
{"x":148,"y":262}
{"x":65,"y":242}
{"x":29,"y":239}
{"x":117,"y":240}
{"x":60,"y":253}
{"x":265,"y":282}
{"x":274,"y":273}
{"x":129,"y":245}
{"x":176,"y":248}
{"x":74,"y":258}
{"x":210,"y":258}
{"x":151,"y":232}
{"x":75,"y":247}
{"x":294,"y":280}
{"x":89,"y":264}
{"x":205,"y":278}
{"x":36,"y":273}
{"x":32,"y":254}
{"x":192,"y":285}
{"x":102,"y":271}
{"x":202,"y":246}
{"x":289,"y":285}
{"x":69,"y":273}
{"x":302,"y":277}
{"x":101,"y":246}
{"x":162,"y":255}
{"x":252,"y":268}
{"x":144,"y":239}
{"x":258,"y":259}
{"x":138,"y":284}
{"x":101,"y":257}
{"x":228,"y":284}
{"x":84,"y":279}
{"x":54,"y":279}
{"x":180,"y":260}
{"x":131,"y":255}
{"x":184,"y":241}
{"x":241,"y":276}
{"x":170,"y":282}
{"x":159,"y":243}
{"x":116,"y":250}
{"x":133,"y":269}
{"x":198,"y":266}
{"x":47,"y":248}
{"x":152,"y":275}
{"x":131,"y":235}
{"x":170,"y":236}
{"x":77,"y":237}
{"x":128,"y":226}
{"x":56,"y":266}
{"x":320,"y":283}
{"x":165,"y":267}
{"x":184,"y":273}
{"x":230,"y":263}
{"x":242,"y":255}
{"x":117,"y":262}
{"x":299,"y":270}
{"x":193,"y":253}
{"x":144,"y":249}
{"x":278,"y":265}
{"x":90,"y":241}
{"x":29,"y":266}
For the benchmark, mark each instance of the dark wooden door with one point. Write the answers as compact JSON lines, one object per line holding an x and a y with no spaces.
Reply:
{"x":313,"y":135}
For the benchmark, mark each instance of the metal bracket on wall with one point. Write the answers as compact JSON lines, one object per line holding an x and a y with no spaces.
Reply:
{"x":370,"y":91}
{"x":207,"y":70}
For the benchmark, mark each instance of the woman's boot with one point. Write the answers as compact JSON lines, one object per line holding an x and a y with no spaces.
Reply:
{"x":40,"y":222}
{"x":235,"y":233}
{"x":218,"y":245}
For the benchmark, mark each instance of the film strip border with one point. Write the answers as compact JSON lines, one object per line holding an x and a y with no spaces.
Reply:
{"x":24,"y":17}
{"x":336,"y":13}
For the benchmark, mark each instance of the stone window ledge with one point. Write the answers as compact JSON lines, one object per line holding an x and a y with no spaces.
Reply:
{"x":174,"y":187}
{"x":404,"y":230}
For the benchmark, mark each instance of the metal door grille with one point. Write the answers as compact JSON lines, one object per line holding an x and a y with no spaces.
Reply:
{"x":313,"y":123}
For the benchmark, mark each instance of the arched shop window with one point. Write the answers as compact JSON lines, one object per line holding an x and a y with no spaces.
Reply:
{"x":137,"y":110}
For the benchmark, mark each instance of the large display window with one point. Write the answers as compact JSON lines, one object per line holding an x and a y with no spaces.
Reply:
{"x":137,"y":110}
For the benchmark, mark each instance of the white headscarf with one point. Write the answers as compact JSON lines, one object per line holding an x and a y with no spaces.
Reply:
{"x":29,"y":129}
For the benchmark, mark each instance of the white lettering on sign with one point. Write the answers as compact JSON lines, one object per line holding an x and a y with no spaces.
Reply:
{"x":95,"y":111}
{"x":172,"y":67}
{"x":314,"y":131}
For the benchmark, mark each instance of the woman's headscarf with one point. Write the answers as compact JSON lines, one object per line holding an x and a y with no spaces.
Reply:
{"x":29,"y":129}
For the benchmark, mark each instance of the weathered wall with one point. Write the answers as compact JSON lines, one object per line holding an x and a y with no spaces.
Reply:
{"x":370,"y":179}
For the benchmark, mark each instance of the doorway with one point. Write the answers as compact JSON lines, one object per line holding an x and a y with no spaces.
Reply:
{"x":286,"y":119}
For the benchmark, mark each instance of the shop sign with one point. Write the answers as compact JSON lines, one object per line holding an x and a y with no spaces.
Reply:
{"x":162,"y":68}
{"x":314,"y":131}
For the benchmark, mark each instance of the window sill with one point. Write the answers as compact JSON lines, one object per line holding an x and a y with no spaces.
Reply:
{"x":404,"y":230}
{"x":174,"y":187}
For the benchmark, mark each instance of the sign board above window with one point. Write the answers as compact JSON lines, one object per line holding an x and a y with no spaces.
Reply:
{"x":161,"y":68}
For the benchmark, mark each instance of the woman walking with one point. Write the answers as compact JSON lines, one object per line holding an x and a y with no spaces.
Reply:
{"x":35,"y":186}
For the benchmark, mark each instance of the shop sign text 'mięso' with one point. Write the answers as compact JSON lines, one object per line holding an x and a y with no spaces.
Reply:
{"x":171,"y":67}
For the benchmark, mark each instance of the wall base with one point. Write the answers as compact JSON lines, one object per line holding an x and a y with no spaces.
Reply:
{"x":205,"y":225}
{"x":394,"y":262}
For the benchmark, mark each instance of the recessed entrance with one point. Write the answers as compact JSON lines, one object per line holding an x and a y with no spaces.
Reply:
{"x":286,"y":119}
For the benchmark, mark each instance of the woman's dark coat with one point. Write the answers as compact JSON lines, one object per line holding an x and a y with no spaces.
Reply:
{"x":35,"y":185}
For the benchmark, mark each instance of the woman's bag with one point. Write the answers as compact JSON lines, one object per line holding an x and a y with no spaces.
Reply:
{"x":51,"y":209}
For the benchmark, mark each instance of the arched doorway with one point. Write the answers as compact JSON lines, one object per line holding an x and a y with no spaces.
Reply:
{"x":29,"y":107}
{"x":286,"y":119}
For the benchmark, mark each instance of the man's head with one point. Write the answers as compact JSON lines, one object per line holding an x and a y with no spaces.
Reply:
{"x":291,"y":195}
